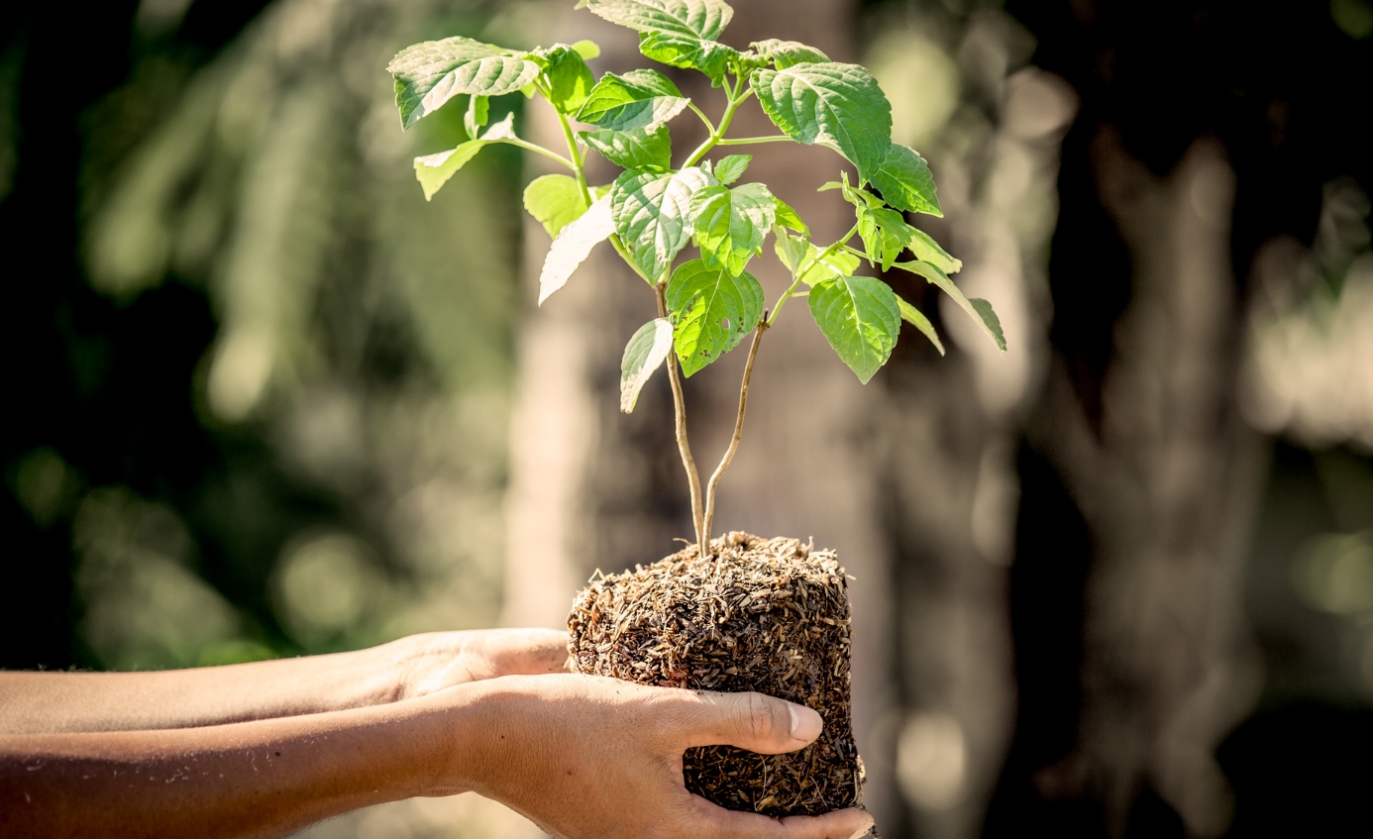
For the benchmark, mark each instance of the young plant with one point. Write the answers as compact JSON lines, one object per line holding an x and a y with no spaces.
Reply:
{"x":654,"y":210}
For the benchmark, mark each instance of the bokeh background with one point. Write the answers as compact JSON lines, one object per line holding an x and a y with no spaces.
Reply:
{"x":263,"y":400}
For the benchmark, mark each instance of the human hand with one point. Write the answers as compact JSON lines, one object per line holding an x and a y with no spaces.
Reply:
{"x":587,"y":757}
{"x":433,"y":661}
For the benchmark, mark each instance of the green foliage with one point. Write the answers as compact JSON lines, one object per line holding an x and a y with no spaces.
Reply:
{"x":732,"y":223}
{"x":652,"y":213}
{"x":832,"y":265}
{"x":885,"y":234}
{"x":478,"y":107}
{"x":574,"y":245}
{"x":906,"y":183}
{"x":860,"y":318}
{"x":569,"y":79}
{"x":434,"y":170}
{"x":788,"y":218}
{"x":429,"y":74}
{"x":637,"y":148}
{"x":926,"y":249}
{"x":638,"y":99}
{"x":680,"y":33}
{"x":732,"y":168}
{"x":704,"y":19}
{"x":916,"y":318}
{"x":784,"y":54}
{"x":712,"y":310}
{"x":554,"y":201}
{"x":646,"y":351}
{"x":835,"y":105}
{"x":978,"y":310}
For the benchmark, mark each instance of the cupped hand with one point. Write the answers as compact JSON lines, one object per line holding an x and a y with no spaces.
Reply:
{"x":587,"y":757}
{"x":433,"y":661}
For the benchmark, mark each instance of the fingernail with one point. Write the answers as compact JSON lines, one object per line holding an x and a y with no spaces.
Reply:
{"x":805,"y":723}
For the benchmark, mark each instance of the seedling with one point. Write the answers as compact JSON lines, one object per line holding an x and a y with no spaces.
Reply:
{"x":653,"y":211}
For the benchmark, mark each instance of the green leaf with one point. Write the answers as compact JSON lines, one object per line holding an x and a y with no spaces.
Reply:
{"x":638,"y":99}
{"x":633,"y":149}
{"x":787,"y":217}
{"x":699,"y":18}
{"x":916,"y":318}
{"x":791,"y":250}
{"x":990,"y":321}
{"x":712,"y":311}
{"x":926,"y":249}
{"x":644,"y":354}
{"x":573,"y":245}
{"x":429,"y":74}
{"x":689,"y":53}
{"x":979,"y":310}
{"x":554,"y":201}
{"x":835,"y":105}
{"x":587,"y":49}
{"x":885,"y":234}
{"x":784,"y":54}
{"x":652,"y":214}
{"x":434,"y":170}
{"x":732,"y":223}
{"x":906,"y":183}
{"x":860,"y":318}
{"x":732,"y":167}
{"x":856,"y":196}
{"x":478,"y":109}
{"x":570,"y":80}
{"x":838,"y":264}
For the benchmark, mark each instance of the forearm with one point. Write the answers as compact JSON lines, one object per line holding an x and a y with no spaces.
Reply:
{"x":34,"y":703}
{"x":265,"y":778}
{"x":52,"y":703}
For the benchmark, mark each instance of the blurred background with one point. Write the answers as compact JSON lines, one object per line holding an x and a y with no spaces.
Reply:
{"x":265,"y":401}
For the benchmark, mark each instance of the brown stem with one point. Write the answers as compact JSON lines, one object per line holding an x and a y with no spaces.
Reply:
{"x":738,"y":430}
{"x":679,"y":406}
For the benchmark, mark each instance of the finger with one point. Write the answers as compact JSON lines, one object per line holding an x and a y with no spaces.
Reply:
{"x":526,"y":652}
{"x":719,"y":823}
{"x":836,"y":824}
{"x":753,"y":721}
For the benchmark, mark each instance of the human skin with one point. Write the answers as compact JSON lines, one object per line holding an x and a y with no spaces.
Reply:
{"x":581,"y":756}
{"x":47,"y":702}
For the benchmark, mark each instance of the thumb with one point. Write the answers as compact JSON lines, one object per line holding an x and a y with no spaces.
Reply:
{"x":753,"y":721}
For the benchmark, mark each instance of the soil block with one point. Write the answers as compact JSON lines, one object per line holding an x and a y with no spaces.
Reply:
{"x":768,"y":615}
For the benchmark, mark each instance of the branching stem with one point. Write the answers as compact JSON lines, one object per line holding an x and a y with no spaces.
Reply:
{"x":725,"y":461}
{"x":683,"y":446}
{"x":717,"y":135}
{"x":710,"y":126}
{"x":806,"y":266}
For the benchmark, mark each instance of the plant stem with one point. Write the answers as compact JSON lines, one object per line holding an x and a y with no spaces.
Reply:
{"x":710,"y":126}
{"x":744,"y":141}
{"x":718,"y":134}
{"x":806,"y":266}
{"x":679,"y":408}
{"x":578,"y":165}
{"x":725,"y":461}
{"x":537,"y":149}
